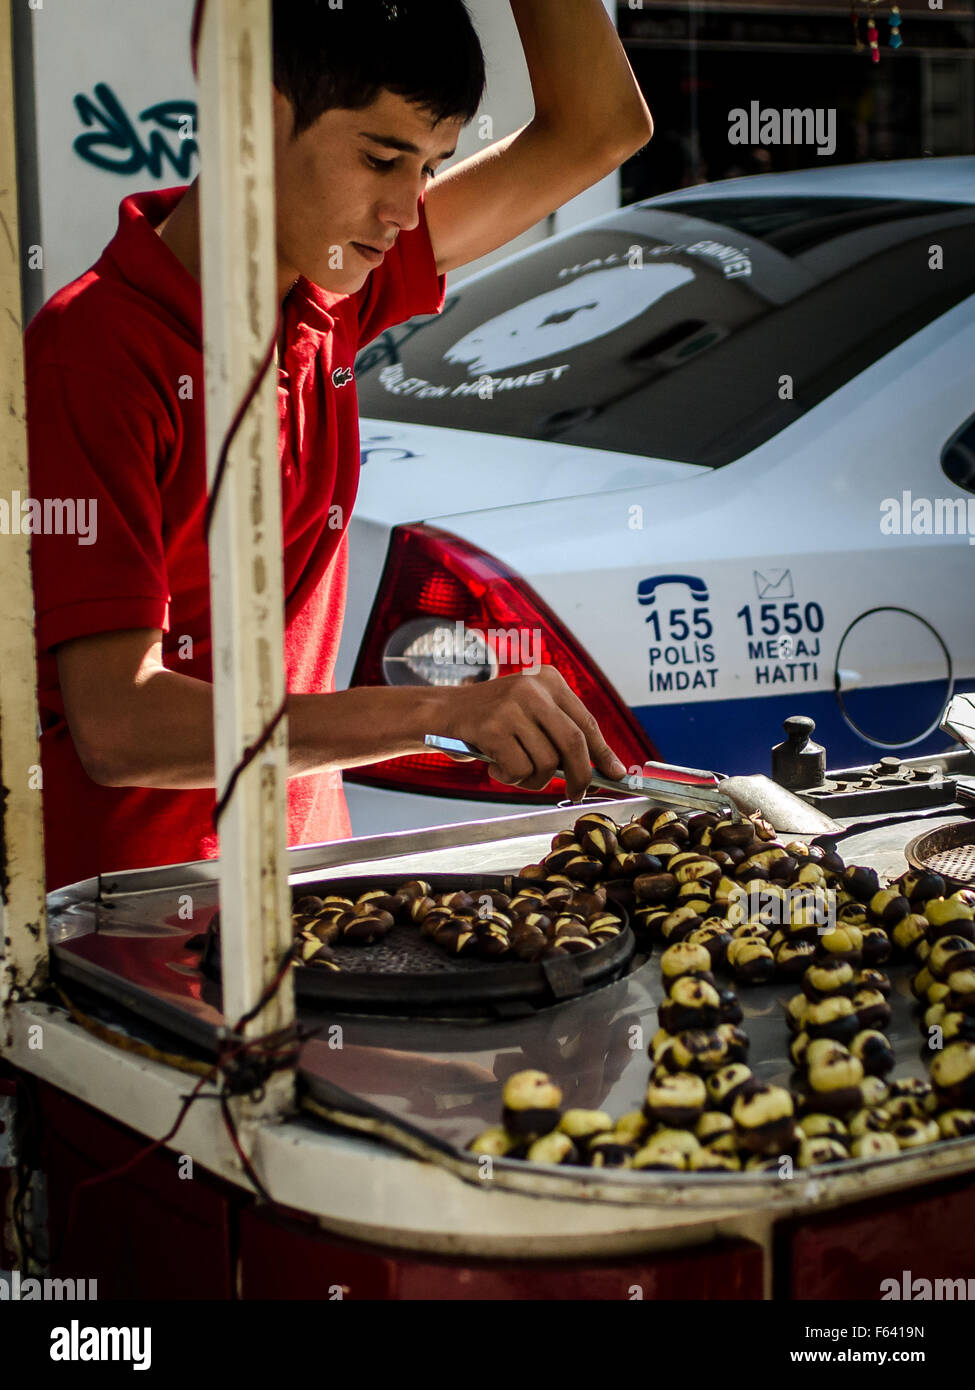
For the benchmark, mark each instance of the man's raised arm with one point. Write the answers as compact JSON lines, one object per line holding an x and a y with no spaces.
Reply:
{"x":590,"y":116}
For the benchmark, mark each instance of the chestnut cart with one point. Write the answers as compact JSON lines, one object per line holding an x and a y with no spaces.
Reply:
{"x":341,"y":1173}
{"x":372,"y":1194}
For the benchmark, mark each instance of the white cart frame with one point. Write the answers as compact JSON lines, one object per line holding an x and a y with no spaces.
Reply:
{"x":239,"y":302}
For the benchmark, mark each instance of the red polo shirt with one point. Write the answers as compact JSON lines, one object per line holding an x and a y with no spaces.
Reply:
{"x":115,"y":402}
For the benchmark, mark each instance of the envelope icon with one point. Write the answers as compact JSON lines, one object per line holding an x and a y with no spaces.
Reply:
{"x":774,"y":583}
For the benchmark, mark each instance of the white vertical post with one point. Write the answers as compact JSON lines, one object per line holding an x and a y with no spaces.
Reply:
{"x":23,"y":923}
{"x":239,"y":272}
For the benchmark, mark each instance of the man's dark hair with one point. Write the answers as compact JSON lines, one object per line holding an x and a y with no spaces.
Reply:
{"x":424,"y":50}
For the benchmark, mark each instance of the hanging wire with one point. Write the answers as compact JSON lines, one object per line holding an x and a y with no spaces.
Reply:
{"x":243,"y":1065}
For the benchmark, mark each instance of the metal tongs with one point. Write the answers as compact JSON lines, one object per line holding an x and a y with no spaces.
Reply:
{"x":704,"y":797}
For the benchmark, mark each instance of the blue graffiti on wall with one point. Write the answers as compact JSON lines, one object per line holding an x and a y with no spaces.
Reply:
{"x":119,"y":147}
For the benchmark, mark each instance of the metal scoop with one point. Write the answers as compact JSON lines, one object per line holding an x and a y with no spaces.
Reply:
{"x":959,"y":720}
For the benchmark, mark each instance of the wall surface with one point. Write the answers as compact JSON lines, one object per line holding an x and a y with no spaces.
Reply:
{"x":105,"y":75}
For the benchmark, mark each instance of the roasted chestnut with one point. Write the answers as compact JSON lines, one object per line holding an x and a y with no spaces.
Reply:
{"x":552,"y":1148}
{"x":414,"y":889}
{"x":825,"y":978}
{"x":379,"y":901}
{"x":953,"y":1075}
{"x":308,"y":906}
{"x":675,"y":1100}
{"x":814,"y":1152}
{"x":726,"y":1085}
{"x":363,"y":928}
{"x":751,"y":961}
{"x":655,"y":888}
{"x":889,"y":907}
{"x":819,"y":1126}
{"x":692,"y":1003}
{"x":948,"y":954}
{"x":874,"y":1146}
{"x":834,"y":1018}
{"x":834,"y":1085}
{"x":600,"y":843}
{"x":874,"y":1052}
{"x":862,"y":882}
{"x":792,"y":958}
{"x":582,"y":1126}
{"x":764,"y":1119}
{"x":634,"y":837}
{"x":871,"y":1008}
{"x":495,"y":1141}
{"x":679,"y":924}
{"x":593,"y":820}
{"x":956,"y":1124}
{"x":699,"y":1051}
{"x":684,"y":958}
{"x":611,"y":1151}
{"x":531,"y":1102}
{"x":915,"y":1133}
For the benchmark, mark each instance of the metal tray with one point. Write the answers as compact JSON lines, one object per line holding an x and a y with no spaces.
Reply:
{"x":124,"y":937}
{"x":949,"y":851}
{"x":405,"y":974}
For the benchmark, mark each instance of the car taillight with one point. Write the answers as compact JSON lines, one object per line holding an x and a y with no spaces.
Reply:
{"x":448,"y":614}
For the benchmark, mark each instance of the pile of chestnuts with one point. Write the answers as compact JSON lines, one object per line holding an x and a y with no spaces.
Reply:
{"x":684,"y":1124}
{"x":756,"y":904}
{"x":726,"y":896}
{"x":937,"y":933}
{"x":536,"y":923}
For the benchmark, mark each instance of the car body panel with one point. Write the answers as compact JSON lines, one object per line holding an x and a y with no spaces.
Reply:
{"x":950,"y":178}
{"x":659,"y":568}
{"x":423,"y":466}
{"x":738,"y":528}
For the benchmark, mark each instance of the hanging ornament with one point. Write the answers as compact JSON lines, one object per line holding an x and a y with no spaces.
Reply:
{"x":872,"y":45}
{"x":872,"y":40}
{"x":855,"y":21}
{"x":894,"y":20}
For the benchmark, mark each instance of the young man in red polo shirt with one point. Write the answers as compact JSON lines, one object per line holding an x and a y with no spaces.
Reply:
{"x":369,"y":99}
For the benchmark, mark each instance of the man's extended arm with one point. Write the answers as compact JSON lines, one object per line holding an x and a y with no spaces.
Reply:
{"x":134,"y":722}
{"x":589,"y":117}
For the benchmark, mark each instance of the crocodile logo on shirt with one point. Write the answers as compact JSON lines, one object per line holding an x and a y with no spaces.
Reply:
{"x":342,"y":376}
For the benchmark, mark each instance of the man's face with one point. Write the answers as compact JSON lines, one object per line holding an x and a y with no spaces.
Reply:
{"x":351,"y":182}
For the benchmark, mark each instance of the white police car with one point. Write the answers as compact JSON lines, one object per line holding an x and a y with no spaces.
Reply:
{"x":713,"y":456}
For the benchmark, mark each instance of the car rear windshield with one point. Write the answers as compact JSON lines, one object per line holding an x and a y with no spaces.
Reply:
{"x":692,"y":330}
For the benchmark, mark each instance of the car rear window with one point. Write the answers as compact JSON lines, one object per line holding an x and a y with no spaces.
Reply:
{"x":693,"y":331}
